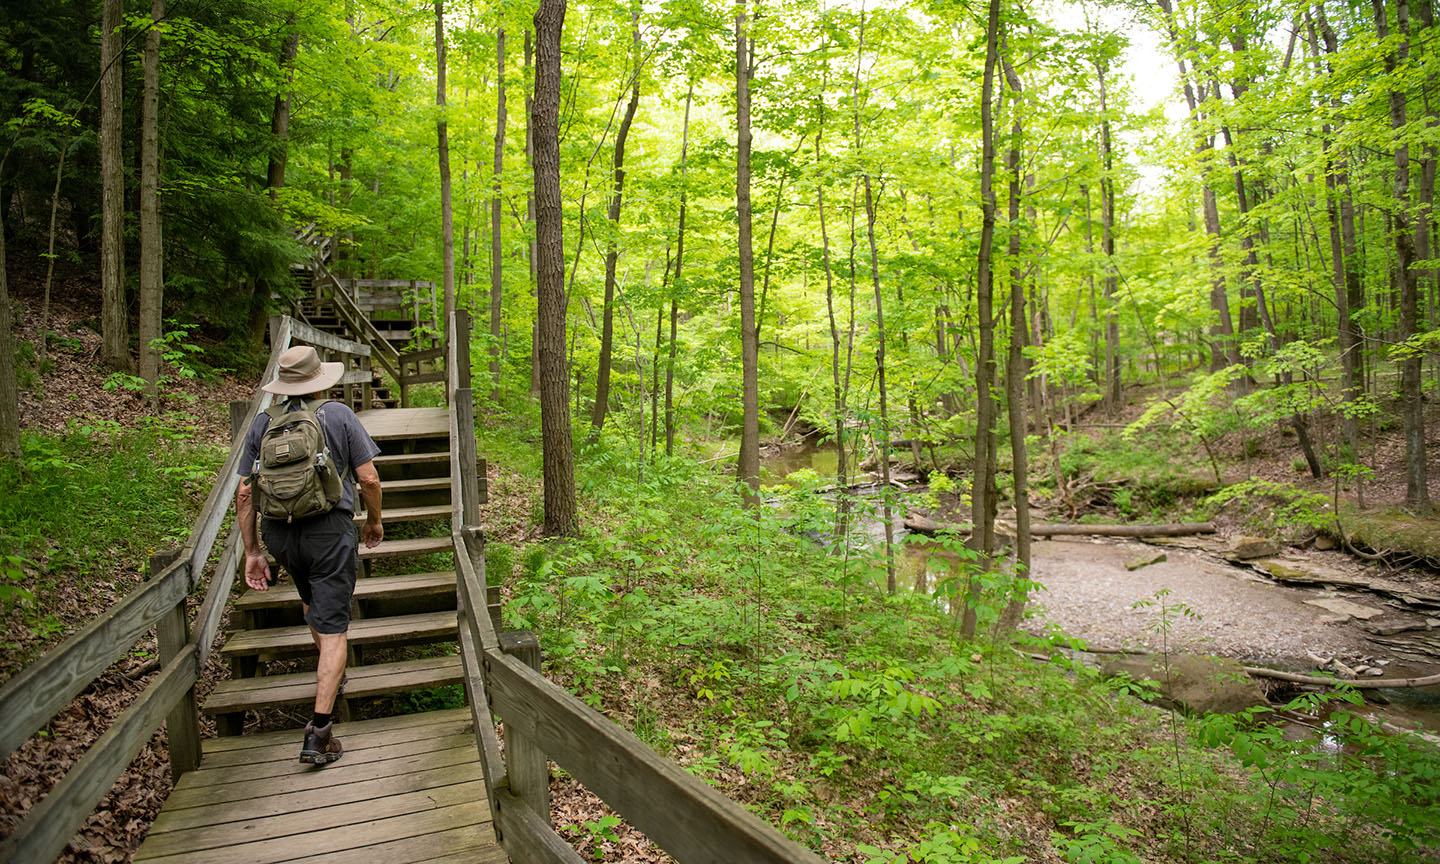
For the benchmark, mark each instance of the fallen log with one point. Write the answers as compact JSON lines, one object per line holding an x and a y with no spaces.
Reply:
{"x":1179,"y":529}
{"x":1360,"y":684}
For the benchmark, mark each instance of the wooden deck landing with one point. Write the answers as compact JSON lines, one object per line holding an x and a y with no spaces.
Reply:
{"x":408,"y":789}
{"x":389,"y":424}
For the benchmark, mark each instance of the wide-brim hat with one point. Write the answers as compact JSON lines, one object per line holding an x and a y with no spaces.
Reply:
{"x":302,"y":373}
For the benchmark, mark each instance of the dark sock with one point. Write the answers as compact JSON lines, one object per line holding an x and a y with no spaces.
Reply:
{"x":320,"y":720}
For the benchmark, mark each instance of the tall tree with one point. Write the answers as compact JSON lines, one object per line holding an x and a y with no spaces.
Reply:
{"x":9,"y":393}
{"x":280,"y":115}
{"x":496,"y":284}
{"x":982,"y":491}
{"x":879,"y":323}
{"x":447,"y":216}
{"x":1017,"y":370}
{"x":675,"y":282}
{"x":114,"y":327}
{"x":612,"y":247}
{"x":152,"y":274}
{"x":561,"y":517}
{"x":748,"y":466}
{"x":1223,"y":348}
{"x":1113,"y":399}
{"x":1417,"y":494}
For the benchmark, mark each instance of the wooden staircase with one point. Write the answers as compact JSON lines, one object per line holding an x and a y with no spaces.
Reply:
{"x":398,"y":601}
{"x":408,"y":787}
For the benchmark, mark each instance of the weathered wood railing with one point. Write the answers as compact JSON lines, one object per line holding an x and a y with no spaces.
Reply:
{"x":43,"y":688}
{"x":683,"y":815}
{"x":359,"y":323}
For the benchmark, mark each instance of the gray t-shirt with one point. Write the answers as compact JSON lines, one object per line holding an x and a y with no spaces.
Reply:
{"x":350,"y":445}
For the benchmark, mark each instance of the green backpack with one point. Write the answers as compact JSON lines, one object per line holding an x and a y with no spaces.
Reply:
{"x":295,"y":477}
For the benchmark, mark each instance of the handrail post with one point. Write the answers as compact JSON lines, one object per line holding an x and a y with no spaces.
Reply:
{"x":172,"y":632}
{"x":462,"y":345}
{"x":525,"y":763}
{"x":469,"y":486}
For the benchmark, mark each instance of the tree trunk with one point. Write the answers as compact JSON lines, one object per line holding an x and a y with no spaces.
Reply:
{"x":152,"y":274}
{"x":1016,"y":365}
{"x":982,"y":490}
{"x":889,"y":522}
{"x":748,"y":467}
{"x":1344,"y":263}
{"x":280,"y":115}
{"x":561,"y":517}
{"x":447,"y":217}
{"x":114,"y":328}
{"x":1417,"y":495}
{"x":1223,"y":349}
{"x":497,"y":285}
{"x":841,"y":480}
{"x":9,"y":392}
{"x":530,"y":222}
{"x":612,"y":250}
{"x":675,"y":281}
{"x":1113,"y":399}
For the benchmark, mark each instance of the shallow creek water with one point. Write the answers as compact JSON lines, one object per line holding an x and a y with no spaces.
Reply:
{"x":1089,"y":593}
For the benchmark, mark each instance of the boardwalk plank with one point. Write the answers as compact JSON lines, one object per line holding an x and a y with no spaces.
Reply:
{"x":289,"y":751}
{"x":408,"y":546}
{"x":268,"y":804}
{"x":477,"y":843}
{"x":391,"y":424}
{"x":354,"y":729}
{"x":334,"y":775}
{"x":330,"y":816}
{"x":240,"y":694}
{"x":292,"y":766}
{"x":396,"y":629}
{"x":366,"y":588}
{"x":354,"y":840}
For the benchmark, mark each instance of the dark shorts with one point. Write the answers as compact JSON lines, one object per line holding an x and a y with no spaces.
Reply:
{"x":321,"y":554}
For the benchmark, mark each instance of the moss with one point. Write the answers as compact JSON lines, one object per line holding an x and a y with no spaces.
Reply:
{"x":1395,"y":530}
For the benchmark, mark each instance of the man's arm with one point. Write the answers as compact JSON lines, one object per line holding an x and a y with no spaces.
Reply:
{"x":372,"y":532}
{"x":257,"y":569}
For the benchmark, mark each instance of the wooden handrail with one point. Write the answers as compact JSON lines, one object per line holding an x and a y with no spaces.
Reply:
{"x":42,"y":835}
{"x":361,"y":324}
{"x":302,"y":332}
{"x":30,"y":698}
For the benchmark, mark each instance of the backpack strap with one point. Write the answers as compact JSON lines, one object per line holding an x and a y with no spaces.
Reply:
{"x":315,"y":405}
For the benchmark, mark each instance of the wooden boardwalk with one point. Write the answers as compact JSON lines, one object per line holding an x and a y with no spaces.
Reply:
{"x":408,"y":789}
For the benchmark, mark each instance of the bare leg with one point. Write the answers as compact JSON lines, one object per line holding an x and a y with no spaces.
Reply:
{"x":314,"y":637}
{"x":329,"y":670}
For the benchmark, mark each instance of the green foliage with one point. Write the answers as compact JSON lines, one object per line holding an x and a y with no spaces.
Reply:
{"x":1268,"y":506}
{"x":1345,"y":770}
{"x":98,"y":495}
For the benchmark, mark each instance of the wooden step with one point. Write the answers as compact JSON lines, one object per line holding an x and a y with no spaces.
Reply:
{"x":390,"y":515}
{"x":424,"y":484}
{"x":441,"y":457}
{"x":241,"y":694}
{"x":367,"y":588}
{"x":411,"y":546}
{"x":393,"y":630}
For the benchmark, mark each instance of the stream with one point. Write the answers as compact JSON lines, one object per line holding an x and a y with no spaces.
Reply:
{"x":1238,"y":611}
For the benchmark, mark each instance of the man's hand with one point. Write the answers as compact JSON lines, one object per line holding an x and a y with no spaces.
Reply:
{"x":257,"y":571}
{"x":371,"y":533}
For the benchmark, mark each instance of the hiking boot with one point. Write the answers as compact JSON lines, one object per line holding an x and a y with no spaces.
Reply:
{"x":321,"y":746}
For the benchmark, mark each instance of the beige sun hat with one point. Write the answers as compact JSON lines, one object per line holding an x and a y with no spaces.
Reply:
{"x":302,"y":373}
